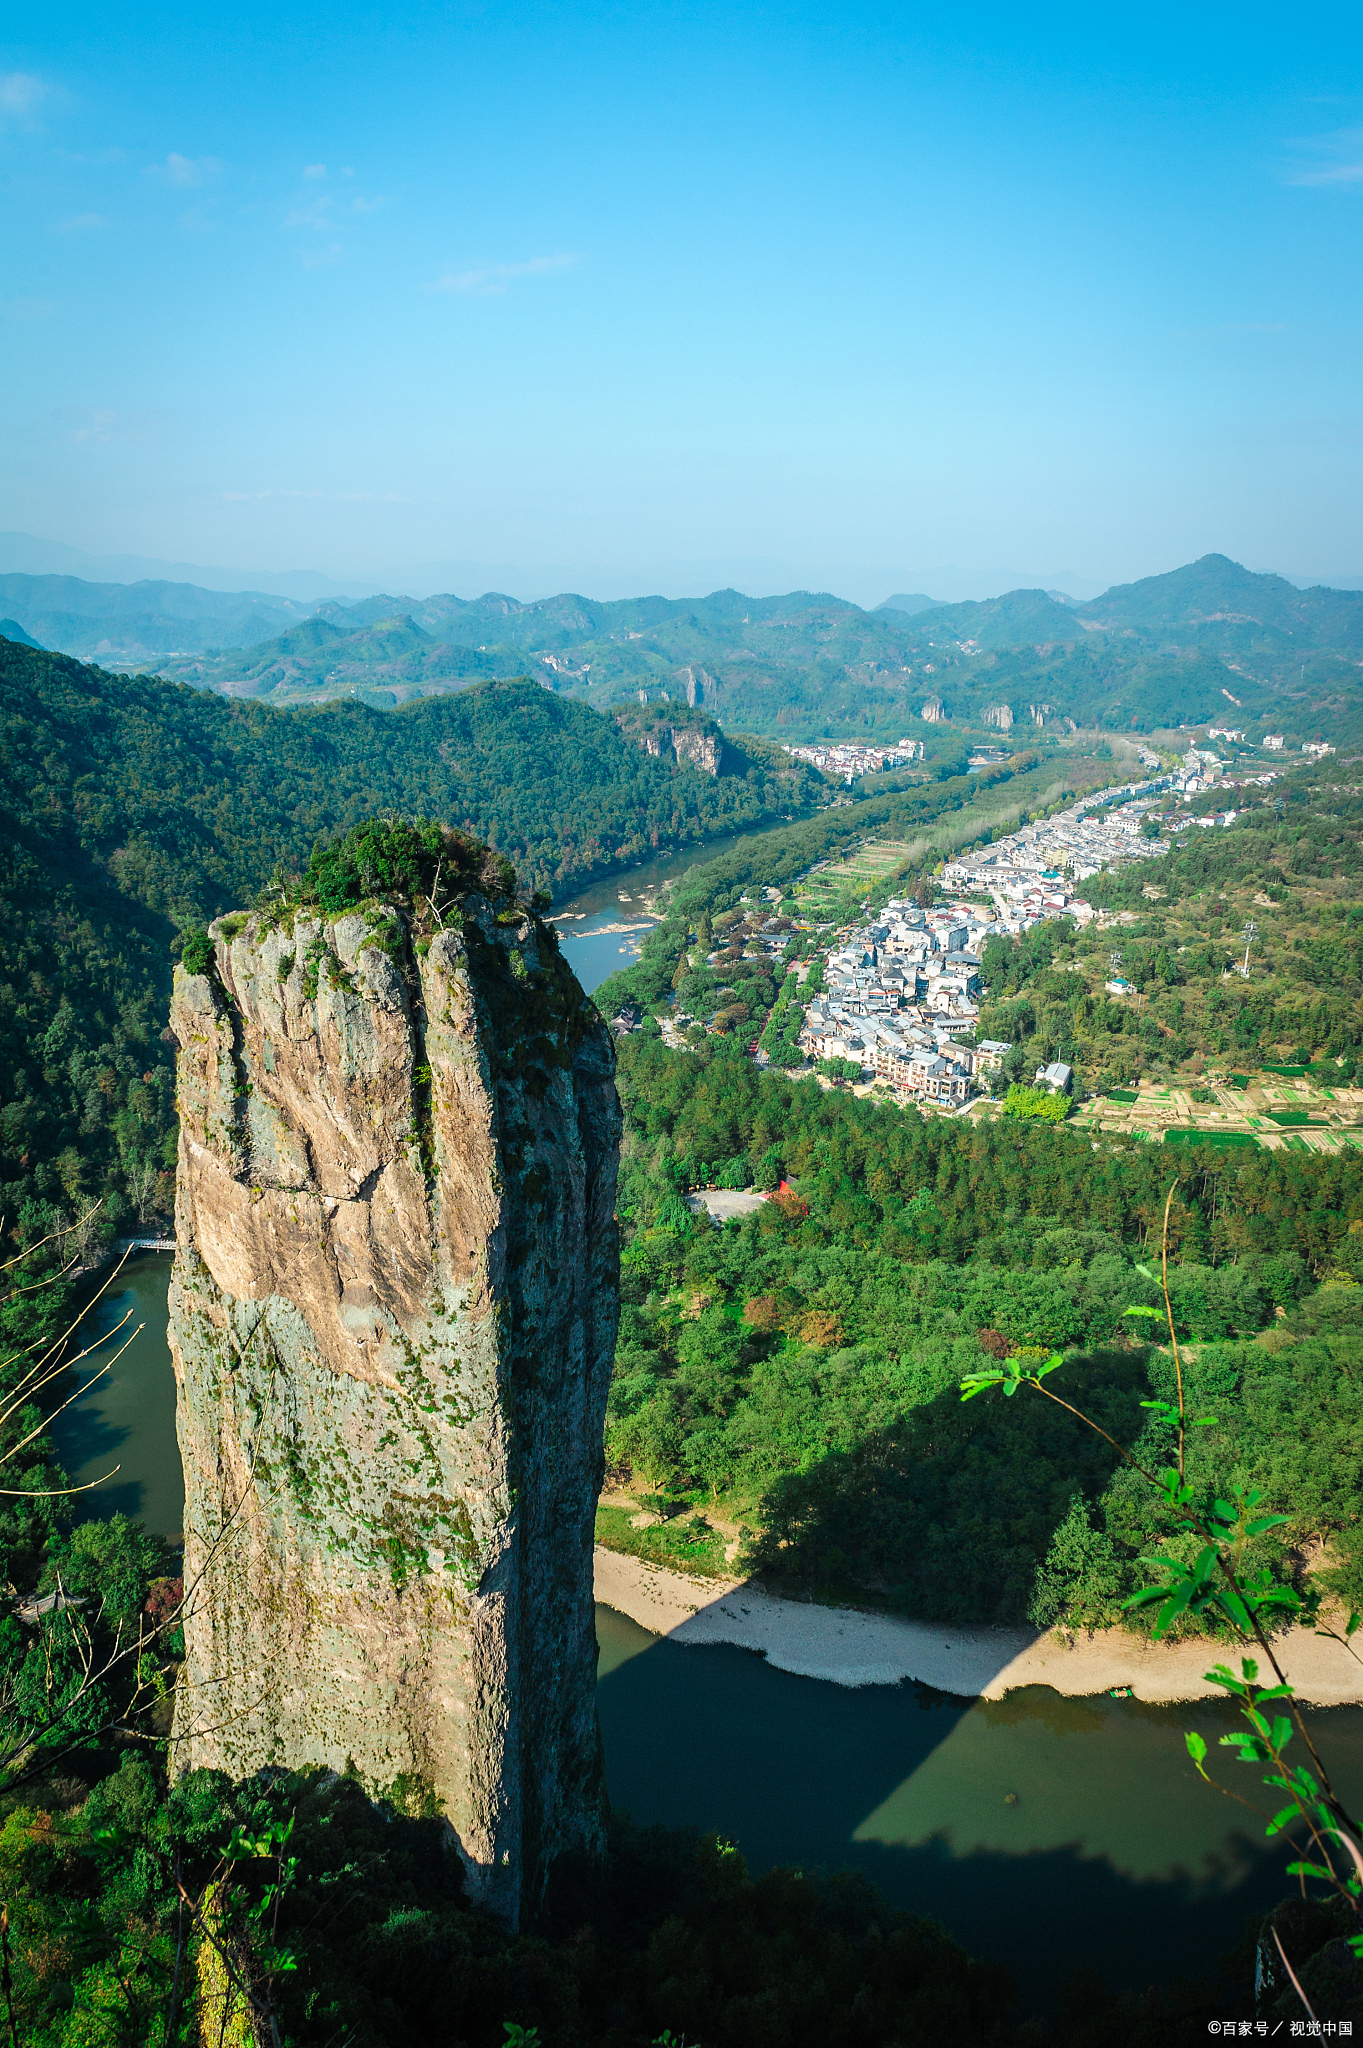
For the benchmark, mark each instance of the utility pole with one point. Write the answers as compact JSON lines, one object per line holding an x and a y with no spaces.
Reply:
{"x":1248,"y":936}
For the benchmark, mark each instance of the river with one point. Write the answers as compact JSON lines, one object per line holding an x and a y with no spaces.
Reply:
{"x":594,"y":952}
{"x":1111,"y":1853}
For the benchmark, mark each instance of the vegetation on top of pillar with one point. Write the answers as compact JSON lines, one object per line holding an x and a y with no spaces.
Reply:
{"x":430,"y":864}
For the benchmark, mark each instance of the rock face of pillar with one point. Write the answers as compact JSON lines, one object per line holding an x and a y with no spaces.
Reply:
{"x":392,"y":1317}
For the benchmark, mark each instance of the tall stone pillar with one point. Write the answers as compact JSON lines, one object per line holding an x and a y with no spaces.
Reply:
{"x":392,"y":1317}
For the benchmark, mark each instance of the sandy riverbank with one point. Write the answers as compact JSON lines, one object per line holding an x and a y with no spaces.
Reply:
{"x":848,"y":1647}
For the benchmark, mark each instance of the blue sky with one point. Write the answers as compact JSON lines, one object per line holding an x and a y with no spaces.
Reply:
{"x":659,"y":298}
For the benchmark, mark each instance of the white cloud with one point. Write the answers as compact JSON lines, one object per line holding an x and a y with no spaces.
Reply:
{"x":318,"y":259}
{"x":184,"y":171}
{"x":316,"y":214}
{"x":314,"y":170}
{"x":20,"y":93}
{"x":1335,"y":174}
{"x":319,"y":213}
{"x":97,"y":428}
{"x":28,"y":309}
{"x":82,"y":223}
{"x":1338,"y":159}
{"x":493,"y":278}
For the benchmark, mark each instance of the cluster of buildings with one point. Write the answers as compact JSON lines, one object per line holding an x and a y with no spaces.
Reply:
{"x":1030,"y":874}
{"x":848,"y":759}
{"x":1315,"y":750}
{"x":1200,"y":769}
{"x":900,"y":994}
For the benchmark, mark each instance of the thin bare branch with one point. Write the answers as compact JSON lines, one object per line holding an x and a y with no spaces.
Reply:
{"x":15,"y":1449}
{"x":23,"y":1392}
{"x":1173,"y":1335}
{"x":216,"y":1727}
{"x":1296,"y":1985}
{"x":56,"y":1492}
{"x":51,"y":1237}
{"x":54,"y":1345}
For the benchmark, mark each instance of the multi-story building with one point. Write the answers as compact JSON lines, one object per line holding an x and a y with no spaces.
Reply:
{"x":936,"y":1078}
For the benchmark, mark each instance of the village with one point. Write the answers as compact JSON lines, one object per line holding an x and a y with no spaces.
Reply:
{"x":890,"y":1000}
{"x":901,"y":990}
{"x":850,"y":759}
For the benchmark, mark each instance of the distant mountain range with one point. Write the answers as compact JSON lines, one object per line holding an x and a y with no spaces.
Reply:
{"x":1203,"y":642}
{"x":910,"y":602}
{"x":24,"y":554}
{"x":130,"y":623}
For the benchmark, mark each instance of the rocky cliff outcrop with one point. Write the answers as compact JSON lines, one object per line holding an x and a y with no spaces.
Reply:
{"x":693,"y":738}
{"x":393,"y":1312}
{"x":701,"y":749}
{"x":698,"y":686}
{"x":685,"y":743}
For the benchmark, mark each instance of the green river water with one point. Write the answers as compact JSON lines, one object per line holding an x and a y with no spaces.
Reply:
{"x":1112,"y":1854}
{"x":594,"y":952}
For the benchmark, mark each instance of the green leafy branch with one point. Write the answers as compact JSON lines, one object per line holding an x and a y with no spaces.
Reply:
{"x":1264,"y":1742}
{"x":253,"y":1959}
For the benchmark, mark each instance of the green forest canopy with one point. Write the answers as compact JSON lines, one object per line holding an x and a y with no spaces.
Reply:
{"x":797,"y":1372}
{"x":133,"y":808}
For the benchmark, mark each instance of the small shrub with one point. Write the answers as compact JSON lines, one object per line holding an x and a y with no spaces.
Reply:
{"x":196,"y":952}
{"x":1036,"y":1102}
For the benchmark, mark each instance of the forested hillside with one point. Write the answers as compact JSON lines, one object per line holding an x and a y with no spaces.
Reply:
{"x":796,"y":1374}
{"x":789,"y":1383}
{"x":1233,"y":607}
{"x":1204,"y":642}
{"x":133,"y":809}
{"x":1200,"y":644}
{"x":383,"y":662}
